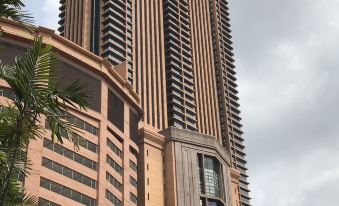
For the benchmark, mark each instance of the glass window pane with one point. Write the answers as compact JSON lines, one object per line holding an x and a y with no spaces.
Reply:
{"x":88,"y":163}
{"x":57,"y":168}
{"x":58,"y":149}
{"x":80,"y":123}
{"x":55,"y":187}
{"x":68,"y":154}
{"x":76,"y":196}
{"x":48,"y":144}
{"x":66,"y":192}
{"x":85,"y":200}
{"x":77,"y":176}
{"x":78,"y":158}
{"x":44,"y":183}
{"x":88,"y":128}
{"x":67,"y":172}
{"x":212,"y":176}
{"x":46,"y":163}
{"x":87,"y":181}
{"x":92,"y":147}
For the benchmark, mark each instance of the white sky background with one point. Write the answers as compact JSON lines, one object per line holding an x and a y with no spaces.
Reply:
{"x":287,"y":58}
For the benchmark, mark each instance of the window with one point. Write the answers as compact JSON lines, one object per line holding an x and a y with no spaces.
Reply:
{"x":82,"y":124}
{"x":44,"y":202}
{"x":6,"y":92}
{"x":70,"y":154}
{"x":214,"y":203}
{"x":115,"y":135}
{"x":133,"y":152}
{"x":113,"y":181}
{"x":132,"y":165}
{"x":133,"y":198}
{"x":133,"y":181}
{"x":115,"y":110}
{"x":114,"y":164}
{"x":66,"y":192}
{"x":133,"y":125}
{"x":212,"y":179}
{"x":61,"y":169}
{"x":209,"y":175}
{"x":112,"y":198}
{"x":114,"y":148}
{"x":133,"y":119}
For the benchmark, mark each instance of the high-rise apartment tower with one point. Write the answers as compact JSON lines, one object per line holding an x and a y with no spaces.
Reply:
{"x":180,"y":63}
{"x":227,"y":93}
{"x":102,"y":26}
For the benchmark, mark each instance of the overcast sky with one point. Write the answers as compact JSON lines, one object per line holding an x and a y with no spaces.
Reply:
{"x":287,"y":57}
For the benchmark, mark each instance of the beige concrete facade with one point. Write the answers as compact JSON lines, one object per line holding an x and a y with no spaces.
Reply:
{"x":181,"y":172}
{"x":99,"y":173}
{"x":235,"y":175}
{"x":152,"y":166}
{"x":168,"y":168}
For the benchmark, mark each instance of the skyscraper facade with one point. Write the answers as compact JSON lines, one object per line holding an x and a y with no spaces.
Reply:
{"x":180,"y":63}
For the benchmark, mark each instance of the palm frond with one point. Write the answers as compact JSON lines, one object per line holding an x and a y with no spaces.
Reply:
{"x":34,"y":77}
{"x":17,"y":196}
{"x":7,"y":124}
{"x":12,"y":9}
{"x":16,"y":3}
{"x":6,"y":70}
{"x":29,"y":200}
{"x":76,"y":93}
{"x":3,"y":159}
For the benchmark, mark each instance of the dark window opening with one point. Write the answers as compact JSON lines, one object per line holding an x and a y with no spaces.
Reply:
{"x":133,"y":117}
{"x":115,"y":110}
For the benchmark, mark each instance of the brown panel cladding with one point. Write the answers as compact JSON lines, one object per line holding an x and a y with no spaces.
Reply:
{"x":72,"y":20}
{"x":204,"y":69}
{"x":149,"y":61}
{"x":182,"y":150}
{"x":86,"y":24}
{"x":148,"y":58}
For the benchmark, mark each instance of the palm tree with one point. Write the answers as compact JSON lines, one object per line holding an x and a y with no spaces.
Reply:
{"x":37,"y":95}
{"x":12,"y":9}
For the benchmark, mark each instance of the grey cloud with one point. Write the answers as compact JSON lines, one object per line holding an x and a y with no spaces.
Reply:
{"x":287,"y":59}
